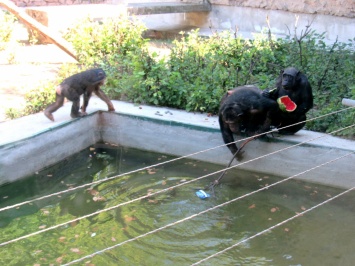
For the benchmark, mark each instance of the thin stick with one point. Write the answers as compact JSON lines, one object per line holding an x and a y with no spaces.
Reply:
{"x":216,"y":182}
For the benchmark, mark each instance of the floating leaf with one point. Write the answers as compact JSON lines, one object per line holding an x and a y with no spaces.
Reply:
{"x":98,"y":198}
{"x":92,"y":191}
{"x":45,"y":212}
{"x":72,"y":224}
{"x":151,"y":171}
{"x":251,"y":206}
{"x":129,"y":219}
{"x":274,"y":209}
{"x":75,"y":250}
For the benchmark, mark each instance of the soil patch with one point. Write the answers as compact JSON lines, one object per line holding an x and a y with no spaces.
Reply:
{"x":31,"y":66}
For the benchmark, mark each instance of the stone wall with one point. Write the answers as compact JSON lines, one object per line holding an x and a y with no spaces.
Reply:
{"x":24,"y":3}
{"x":341,"y":8}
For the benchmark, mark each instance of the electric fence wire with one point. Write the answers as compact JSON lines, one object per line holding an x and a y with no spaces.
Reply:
{"x":163,"y":190}
{"x":159,"y":164}
{"x":219,"y":206}
{"x":273,"y":227}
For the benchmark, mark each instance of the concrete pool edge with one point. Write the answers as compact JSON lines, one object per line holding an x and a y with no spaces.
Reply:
{"x":34,"y":142}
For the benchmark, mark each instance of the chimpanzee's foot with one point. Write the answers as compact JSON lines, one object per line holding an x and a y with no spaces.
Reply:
{"x":49,"y":116}
{"x":79,"y":114}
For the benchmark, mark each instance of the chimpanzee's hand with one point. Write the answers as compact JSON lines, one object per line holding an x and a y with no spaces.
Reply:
{"x":266,"y":93}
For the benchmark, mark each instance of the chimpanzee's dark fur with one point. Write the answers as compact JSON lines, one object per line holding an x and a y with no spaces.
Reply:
{"x":294,"y":84}
{"x":86,"y":83}
{"x":244,"y":111}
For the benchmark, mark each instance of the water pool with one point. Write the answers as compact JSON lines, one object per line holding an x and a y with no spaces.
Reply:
{"x":321,"y":237}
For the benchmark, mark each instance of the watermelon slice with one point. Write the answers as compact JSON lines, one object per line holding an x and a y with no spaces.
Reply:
{"x":286,"y":104}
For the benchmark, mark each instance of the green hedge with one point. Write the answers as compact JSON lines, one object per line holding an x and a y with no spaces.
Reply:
{"x":200,"y":70}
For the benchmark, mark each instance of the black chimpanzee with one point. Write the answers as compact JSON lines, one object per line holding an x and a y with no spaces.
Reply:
{"x":295,"y":85}
{"x":86,"y":83}
{"x":244,"y":111}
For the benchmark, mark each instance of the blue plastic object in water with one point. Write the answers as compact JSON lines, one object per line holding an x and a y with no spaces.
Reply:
{"x":202,"y":195}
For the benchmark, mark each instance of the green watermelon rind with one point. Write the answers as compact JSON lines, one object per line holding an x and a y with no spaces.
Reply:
{"x":283,"y":106}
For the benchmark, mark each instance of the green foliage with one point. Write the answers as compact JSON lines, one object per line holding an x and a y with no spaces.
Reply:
{"x":13,"y":113}
{"x":39,"y":98}
{"x":36,"y":100}
{"x":330,"y":70}
{"x":96,"y":42}
{"x":7,"y":26}
{"x":200,"y":70}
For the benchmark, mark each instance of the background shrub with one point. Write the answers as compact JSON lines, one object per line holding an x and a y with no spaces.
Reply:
{"x":200,"y":70}
{"x":7,"y":26}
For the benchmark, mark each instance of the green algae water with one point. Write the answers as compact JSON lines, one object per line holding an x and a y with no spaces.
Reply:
{"x":325,"y":236}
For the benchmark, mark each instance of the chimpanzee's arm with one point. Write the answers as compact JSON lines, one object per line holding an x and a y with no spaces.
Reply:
{"x":271,"y":93}
{"x":306,"y":96}
{"x":104,"y":97}
{"x":227,"y":135}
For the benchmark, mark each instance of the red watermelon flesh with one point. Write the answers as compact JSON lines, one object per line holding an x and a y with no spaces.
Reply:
{"x":286,"y":104}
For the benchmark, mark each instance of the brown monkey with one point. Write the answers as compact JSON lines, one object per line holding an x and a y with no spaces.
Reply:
{"x":86,"y":83}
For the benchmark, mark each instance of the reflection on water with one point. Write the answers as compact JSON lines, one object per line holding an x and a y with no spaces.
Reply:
{"x":321,"y":237}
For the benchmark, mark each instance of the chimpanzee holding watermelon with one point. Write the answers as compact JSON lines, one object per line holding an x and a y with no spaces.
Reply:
{"x":293,"y":109}
{"x":248,"y":111}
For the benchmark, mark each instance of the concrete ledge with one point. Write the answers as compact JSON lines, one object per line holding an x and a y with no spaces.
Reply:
{"x":164,"y":8}
{"x":31,"y":143}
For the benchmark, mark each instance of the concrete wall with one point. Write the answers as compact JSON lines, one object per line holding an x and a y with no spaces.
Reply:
{"x":24,"y":3}
{"x":37,"y":151}
{"x":342,"y":8}
{"x":345,"y":8}
{"x":248,"y":21}
{"x":31,"y":143}
{"x":253,"y":20}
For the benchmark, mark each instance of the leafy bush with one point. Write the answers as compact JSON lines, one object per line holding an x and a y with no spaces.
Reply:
{"x":36,"y":100}
{"x":7,"y":25}
{"x":97,"y":42}
{"x":330,"y":70}
{"x":200,"y":70}
{"x":39,"y":98}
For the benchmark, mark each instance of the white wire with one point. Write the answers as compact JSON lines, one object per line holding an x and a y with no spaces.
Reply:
{"x":274,"y":226}
{"x":203,"y":212}
{"x":163,"y":190}
{"x":156,"y":165}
